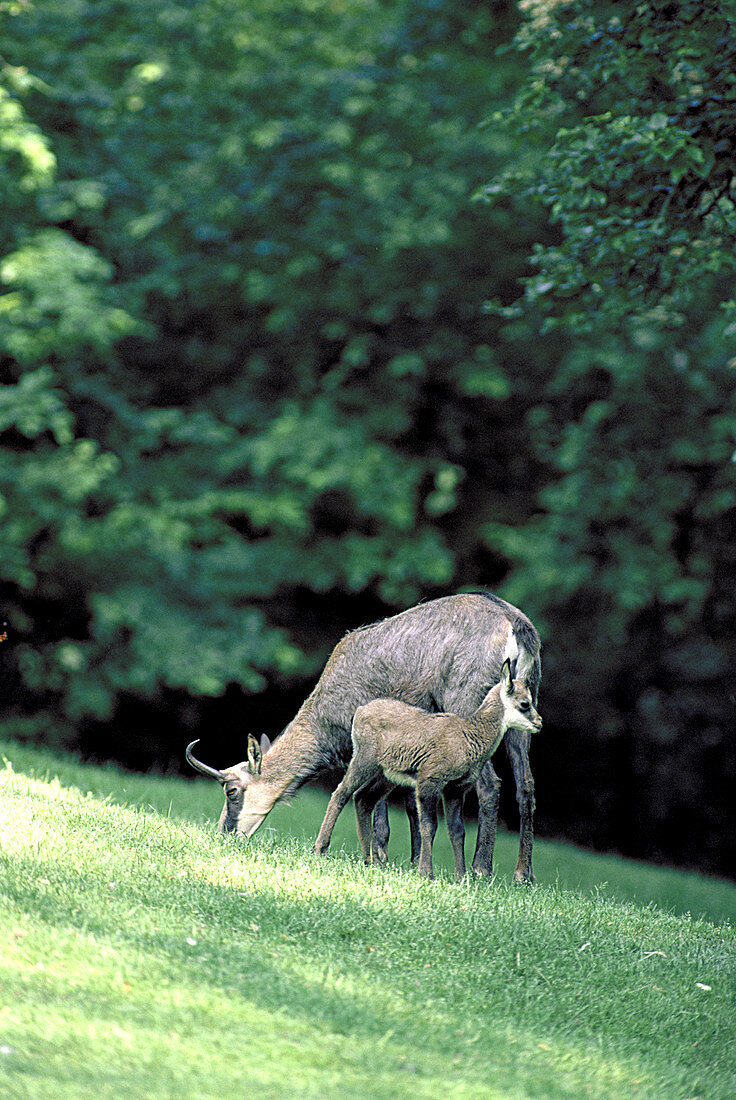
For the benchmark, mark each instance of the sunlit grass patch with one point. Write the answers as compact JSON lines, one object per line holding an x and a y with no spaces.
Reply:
{"x":146,"y":956}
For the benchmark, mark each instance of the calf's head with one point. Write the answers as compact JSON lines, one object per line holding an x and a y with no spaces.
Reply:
{"x":519,"y":712}
{"x":248,"y":796}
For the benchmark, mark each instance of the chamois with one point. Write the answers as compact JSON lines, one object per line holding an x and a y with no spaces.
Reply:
{"x":394,"y":743}
{"x":442,"y":655}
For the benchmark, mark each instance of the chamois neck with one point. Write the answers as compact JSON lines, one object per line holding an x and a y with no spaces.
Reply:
{"x":491,"y":705}
{"x":294,"y":757}
{"x":484,"y":729}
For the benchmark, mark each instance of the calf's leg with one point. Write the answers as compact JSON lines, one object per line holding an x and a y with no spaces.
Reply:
{"x":357,"y":775}
{"x":367,"y":802}
{"x":427,"y":799}
{"x":452,"y":797}
{"x":381,"y":830}
{"x":411,"y":813}
{"x":381,"y":827}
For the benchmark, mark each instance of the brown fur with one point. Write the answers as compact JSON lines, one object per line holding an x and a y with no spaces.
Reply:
{"x":394,"y":743}
{"x":443,"y":655}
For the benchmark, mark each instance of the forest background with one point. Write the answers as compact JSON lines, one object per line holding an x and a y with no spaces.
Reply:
{"x":312,"y":309}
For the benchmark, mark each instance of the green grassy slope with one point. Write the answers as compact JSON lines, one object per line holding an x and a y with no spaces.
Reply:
{"x":143,"y":956}
{"x":201,"y":801}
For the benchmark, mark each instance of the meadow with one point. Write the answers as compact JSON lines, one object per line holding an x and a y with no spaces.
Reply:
{"x":143,"y":956}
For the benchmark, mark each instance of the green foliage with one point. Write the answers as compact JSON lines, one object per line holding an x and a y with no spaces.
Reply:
{"x":26,"y":161}
{"x":635,"y":509}
{"x":633,"y":107}
{"x":628,"y":110}
{"x":250,"y":394}
{"x":152,"y":946}
{"x":57,"y":305}
{"x":272,"y":337}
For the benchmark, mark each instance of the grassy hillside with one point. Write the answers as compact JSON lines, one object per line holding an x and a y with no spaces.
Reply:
{"x":143,"y":956}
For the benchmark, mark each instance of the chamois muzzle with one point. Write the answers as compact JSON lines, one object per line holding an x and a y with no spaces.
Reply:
{"x":199,"y":766}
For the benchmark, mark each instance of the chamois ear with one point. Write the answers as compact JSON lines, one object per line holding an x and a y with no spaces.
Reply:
{"x":255,"y":756}
{"x":265,"y":743}
{"x":507,"y":676}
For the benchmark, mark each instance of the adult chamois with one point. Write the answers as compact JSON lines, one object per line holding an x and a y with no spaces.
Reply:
{"x":443,"y":655}
{"x":397,"y":744}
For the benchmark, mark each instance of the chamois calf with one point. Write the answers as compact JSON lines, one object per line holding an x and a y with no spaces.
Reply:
{"x":397,"y":744}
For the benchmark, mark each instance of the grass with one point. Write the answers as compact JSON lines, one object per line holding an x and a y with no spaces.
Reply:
{"x":145,"y":957}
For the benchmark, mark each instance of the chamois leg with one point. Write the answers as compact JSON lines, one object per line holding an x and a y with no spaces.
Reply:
{"x":355,"y":778}
{"x":463,"y":700}
{"x":411,"y":813}
{"x":517,"y":747}
{"x":381,"y":827}
{"x":453,"y":799}
{"x":427,"y":799}
{"x":367,"y":802}
{"x":488,"y":788}
{"x":381,"y":830}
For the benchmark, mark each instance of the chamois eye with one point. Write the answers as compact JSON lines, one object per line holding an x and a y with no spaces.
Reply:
{"x":231,"y":792}
{"x":524,"y":706}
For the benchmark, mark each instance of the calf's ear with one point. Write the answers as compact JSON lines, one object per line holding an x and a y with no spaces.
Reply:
{"x":506,"y":675}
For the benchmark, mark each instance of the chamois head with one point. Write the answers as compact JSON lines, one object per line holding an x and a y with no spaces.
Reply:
{"x":519,"y":711}
{"x":236,"y":817}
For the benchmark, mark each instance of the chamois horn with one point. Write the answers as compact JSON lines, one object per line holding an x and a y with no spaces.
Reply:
{"x":199,"y":766}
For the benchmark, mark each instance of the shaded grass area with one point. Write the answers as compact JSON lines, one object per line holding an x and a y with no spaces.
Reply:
{"x":145,"y":956}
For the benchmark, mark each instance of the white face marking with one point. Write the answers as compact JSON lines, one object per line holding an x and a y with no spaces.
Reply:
{"x":527,"y":720}
{"x":249,"y":823}
{"x":258,"y":800}
{"x":515,"y":720}
{"x":251,"y":799}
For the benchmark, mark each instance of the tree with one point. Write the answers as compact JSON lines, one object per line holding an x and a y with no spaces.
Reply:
{"x":54,"y":305}
{"x":633,"y":105}
{"x":630,"y":557}
{"x":281,"y":355}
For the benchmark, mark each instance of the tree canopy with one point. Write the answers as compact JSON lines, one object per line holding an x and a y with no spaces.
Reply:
{"x":267,"y":370}
{"x":631,"y":106}
{"x":266,"y":221}
{"x":629,"y":109}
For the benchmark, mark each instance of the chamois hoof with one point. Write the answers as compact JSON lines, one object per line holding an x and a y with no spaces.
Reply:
{"x":524,"y":878}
